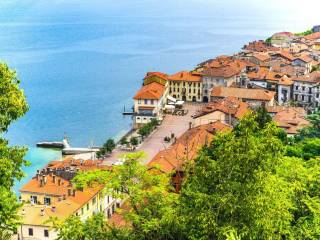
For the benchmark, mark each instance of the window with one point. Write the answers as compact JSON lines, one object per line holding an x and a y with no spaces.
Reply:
{"x":297,"y":87}
{"x":82,"y":211}
{"x":46,"y":233}
{"x":317,"y":95}
{"x":152,"y":101}
{"x":309,"y":99}
{"x":94,"y":200}
{"x":189,"y":90}
{"x":34,"y":199}
{"x":88,"y":206}
{"x":139,"y":101}
{"x":302,"y":98}
{"x":30,"y":230}
{"x":146,"y":101}
{"x":47,"y":201}
{"x":303,"y":88}
{"x":296,"y":97}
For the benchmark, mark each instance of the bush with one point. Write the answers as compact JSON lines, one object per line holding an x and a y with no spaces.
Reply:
{"x":134,"y":141}
{"x":124,"y":141}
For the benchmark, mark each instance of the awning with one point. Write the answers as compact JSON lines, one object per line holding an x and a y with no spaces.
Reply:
{"x":172,"y":99}
{"x":169,"y":107}
{"x":179,"y":102}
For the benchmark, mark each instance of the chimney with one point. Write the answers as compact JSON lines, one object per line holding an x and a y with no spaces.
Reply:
{"x":59,"y":182}
{"x":41,"y":183}
{"x":42,"y":212}
{"x":53,"y":208}
{"x":54,"y":179}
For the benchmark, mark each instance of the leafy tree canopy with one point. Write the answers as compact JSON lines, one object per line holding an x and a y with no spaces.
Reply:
{"x":12,"y":106}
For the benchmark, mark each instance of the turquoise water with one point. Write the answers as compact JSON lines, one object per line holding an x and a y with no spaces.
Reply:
{"x":80,"y":62}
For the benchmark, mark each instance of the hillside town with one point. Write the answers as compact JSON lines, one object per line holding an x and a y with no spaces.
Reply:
{"x":280,"y":74}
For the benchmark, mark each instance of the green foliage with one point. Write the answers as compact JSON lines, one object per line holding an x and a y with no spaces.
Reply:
{"x":312,"y":131}
{"x":12,"y":100}
{"x":134,"y":141}
{"x":240,"y":187}
{"x":230,"y":186}
{"x":315,"y":68}
{"x":150,"y":205}
{"x":124,"y":141}
{"x":148,"y":128}
{"x":107,"y":147}
{"x":305,"y":33}
{"x":307,"y":148}
{"x":12,"y":106}
{"x":268,"y":40}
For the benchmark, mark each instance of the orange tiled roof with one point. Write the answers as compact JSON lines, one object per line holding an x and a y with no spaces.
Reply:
{"x":313,"y":36}
{"x":261,"y":56}
{"x":313,"y":77}
{"x":185,"y":76}
{"x":158,"y":74}
{"x":243,"y":93}
{"x":153,"y":90}
{"x":229,"y":105}
{"x":186,"y":147}
{"x":290,"y":120}
{"x":259,"y":46}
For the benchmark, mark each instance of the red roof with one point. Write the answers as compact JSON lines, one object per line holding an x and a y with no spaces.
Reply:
{"x":243,"y":93}
{"x":153,"y":90}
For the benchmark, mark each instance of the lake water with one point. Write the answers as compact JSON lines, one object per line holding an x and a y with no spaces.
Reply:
{"x":80,"y":62}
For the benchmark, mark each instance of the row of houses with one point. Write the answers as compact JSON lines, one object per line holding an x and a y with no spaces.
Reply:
{"x":51,"y":195}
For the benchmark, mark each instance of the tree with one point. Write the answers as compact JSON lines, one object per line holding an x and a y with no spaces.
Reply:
{"x":231,"y":187}
{"x":109,"y":145}
{"x":312,"y":131}
{"x":134,"y":141}
{"x":124,"y":141}
{"x":150,"y":205}
{"x":12,"y":106}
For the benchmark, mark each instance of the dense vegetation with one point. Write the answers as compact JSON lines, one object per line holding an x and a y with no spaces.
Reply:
{"x":248,"y":184}
{"x":12,"y":106}
{"x":305,"y":33}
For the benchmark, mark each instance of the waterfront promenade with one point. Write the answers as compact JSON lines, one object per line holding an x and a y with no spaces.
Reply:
{"x":154,"y":142}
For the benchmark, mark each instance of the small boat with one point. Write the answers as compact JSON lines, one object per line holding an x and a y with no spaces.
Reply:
{"x":59,"y":145}
{"x":74,"y":151}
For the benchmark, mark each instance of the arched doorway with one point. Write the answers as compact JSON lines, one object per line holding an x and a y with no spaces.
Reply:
{"x":205,"y":99}
{"x":194,"y":99}
{"x":184,"y":98}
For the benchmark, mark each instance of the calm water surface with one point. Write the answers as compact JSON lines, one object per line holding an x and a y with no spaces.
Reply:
{"x":81,"y":63}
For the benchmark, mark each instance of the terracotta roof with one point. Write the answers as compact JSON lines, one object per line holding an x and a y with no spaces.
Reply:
{"x":285,"y":54}
{"x":229,"y":105}
{"x":243,"y":93}
{"x":313,"y":77}
{"x":259,"y":46}
{"x":185,"y":76}
{"x":186,"y":147}
{"x":158,"y":74}
{"x":259,"y":74}
{"x":225,"y":72}
{"x":304,"y":58}
{"x":30,"y":214}
{"x":285,"y":81}
{"x":290,"y":120}
{"x":313,"y":36}
{"x":261,"y":56}
{"x":276,"y":109}
{"x":153,"y":90}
